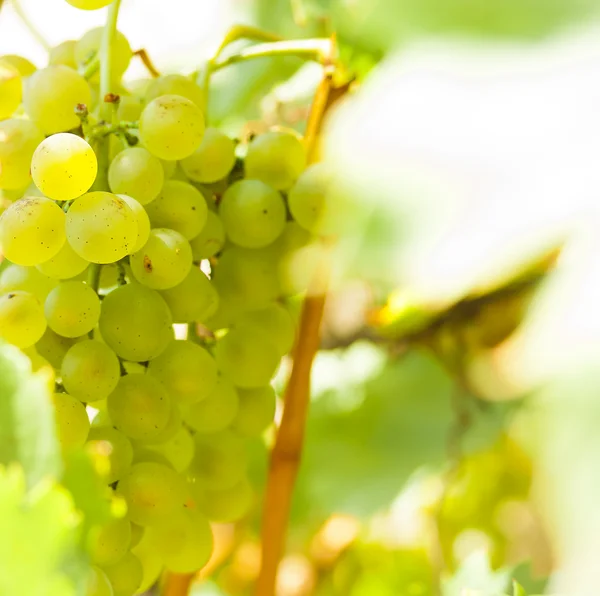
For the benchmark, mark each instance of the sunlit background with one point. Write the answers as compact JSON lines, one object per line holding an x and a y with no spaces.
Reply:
{"x":454,"y":438}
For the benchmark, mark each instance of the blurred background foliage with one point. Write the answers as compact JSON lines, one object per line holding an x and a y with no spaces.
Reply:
{"x":452,"y":441}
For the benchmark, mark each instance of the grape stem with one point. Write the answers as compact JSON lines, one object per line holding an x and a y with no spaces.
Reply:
{"x":16,"y":4}
{"x":142,"y":54}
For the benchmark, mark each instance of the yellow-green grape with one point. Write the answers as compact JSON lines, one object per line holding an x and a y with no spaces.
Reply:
{"x":152,"y":564}
{"x":87,"y":47}
{"x":11,"y":89}
{"x":22,"y":321}
{"x":224,"y":505}
{"x":139,"y":406}
{"x":27,"y":279}
{"x":184,"y":542}
{"x":174,"y":424}
{"x":154,"y":492}
{"x":24,"y":67}
{"x":215,"y":412}
{"x":53,"y":347}
{"x":179,"y":206}
{"x":252,"y":213}
{"x":72,"y":309}
{"x":142,"y":219}
{"x":171,"y":127}
{"x":72,"y":422}
{"x":32,"y":230}
{"x":274,"y":321}
{"x":137,"y":173}
{"x":98,"y":583}
{"x":213,"y":160}
{"x":89,"y":4}
{"x":169,"y":168}
{"x":249,"y":359}
{"x":109,"y":543}
{"x":174,"y":85}
{"x":125,"y":575}
{"x":18,"y":140}
{"x":130,"y":109}
{"x":210,"y":240}
{"x":219,"y":459}
{"x":63,"y":53}
{"x":186,"y":370}
{"x":194,"y":299}
{"x":135,"y":322}
{"x":101,"y":227}
{"x":64,"y":265}
{"x":90,"y":370}
{"x":116,"y":447}
{"x":137,"y":532}
{"x":164,"y":261}
{"x":51,"y":95}
{"x":143,"y":454}
{"x":256,"y":411}
{"x":64,"y":166}
{"x":277,"y":158}
{"x":178,"y":450}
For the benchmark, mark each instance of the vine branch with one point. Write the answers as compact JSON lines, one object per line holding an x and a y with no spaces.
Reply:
{"x":29,"y":25}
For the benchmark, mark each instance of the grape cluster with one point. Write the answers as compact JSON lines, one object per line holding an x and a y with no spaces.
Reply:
{"x":182,"y":226}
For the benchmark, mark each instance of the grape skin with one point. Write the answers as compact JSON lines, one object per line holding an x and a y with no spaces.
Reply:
{"x":72,"y":309}
{"x":256,"y":411}
{"x":174,"y":84}
{"x":143,"y":222}
{"x":113,"y":443}
{"x":66,"y":263}
{"x":210,"y":240}
{"x":110,"y":542}
{"x":22,"y":321}
{"x":89,"y":45}
{"x":212,"y":160}
{"x":11,"y":89}
{"x":125,"y":575}
{"x":89,"y":4}
{"x":18,"y":140}
{"x":64,"y":53}
{"x":216,"y":412}
{"x":137,"y":173}
{"x":26,"y":279}
{"x":24,"y":67}
{"x":72,"y":421}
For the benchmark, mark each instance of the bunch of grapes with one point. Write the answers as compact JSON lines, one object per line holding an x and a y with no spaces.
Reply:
{"x":148,"y":261}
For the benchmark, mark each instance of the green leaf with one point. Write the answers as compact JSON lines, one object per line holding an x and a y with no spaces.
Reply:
{"x":27,"y":431}
{"x":518,"y":589}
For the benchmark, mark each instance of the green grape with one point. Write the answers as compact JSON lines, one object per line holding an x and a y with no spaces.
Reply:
{"x":64,"y":265}
{"x":98,"y":583}
{"x":18,"y":140}
{"x":101,"y":227}
{"x":32,"y":230}
{"x":89,"y":4}
{"x":137,"y":173}
{"x":63,"y":53}
{"x":178,"y":450}
{"x":210,"y":240}
{"x":24,"y":67}
{"x":164,"y":261}
{"x":72,"y":309}
{"x":139,"y":406}
{"x":22,"y":321}
{"x":116,"y":447}
{"x":253,"y":214}
{"x":219,"y":460}
{"x":194,"y":299}
{"x":274,"y":321}
{"x":186,"y":370}
{"x":256,"y":411}
{"x":215,"y":412}
{"x":125,"y":575}
{"x":151,"y":563}
{"x":169,"y":168}
{"x":250,"y":359}
{"x":27,"y":279}
{"x":72,"y":422}
{"x":213,"y":160}
{"x":142,"y":219}
{"x":174,"y":85}
{"x":135,"y":322}
{"x":172,"y":427}
{"x":109,"y":543}
{"x":249,"y":275}
{"x":171,"y":127}
{"x":143,"y":454}
{"x":224,"y":505}
{"x":51,"y":96}
{"x":11,"y":89}
{"x":90,"y":370}
{"x":53,"y":347}
{"x":88,"y":46}
{"x":153,"y":492}
{"x":130,"y":108}
{"x":184,"y":542}
{"x":64,"y":166}
{"x":277,"y":158}
{"x":137,"y":532}
{"x":179,"y":206}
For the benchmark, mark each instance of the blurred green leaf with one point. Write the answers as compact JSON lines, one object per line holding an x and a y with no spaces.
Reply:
{"x":476,"y":574}
{"x":27,"y":432}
